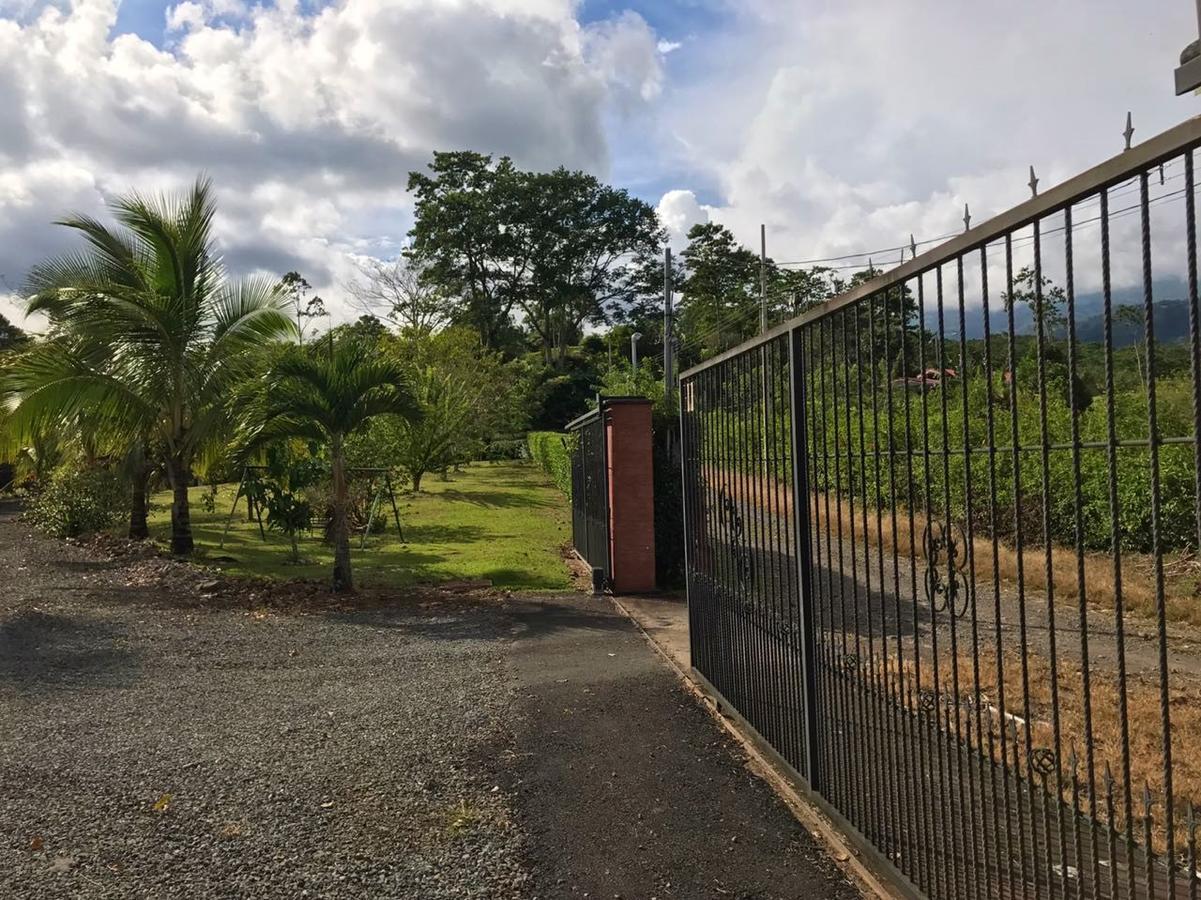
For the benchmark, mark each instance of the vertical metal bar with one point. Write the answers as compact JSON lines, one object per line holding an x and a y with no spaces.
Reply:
{"x":852,"y":669}
{"x":839,"y":793}
{"x":1116,"y":544}
{"x":851,"y":781}
{"x":866,"y":674}
{"x":1154,"y":437}
{"x":1021,"y":580}
{"x":803,"y":537}
{"x":1048,"y":548}
{"x":999,"y":648}
{"x":687,"y":476}
{"x":1077,"y":405}
{"x":959,"y":804}
{"x":917,"y":726}
{"x":886,"y":711}
{"x":968,"y":518}
{"x":911,"y":858}
{"x":1194,"y":324}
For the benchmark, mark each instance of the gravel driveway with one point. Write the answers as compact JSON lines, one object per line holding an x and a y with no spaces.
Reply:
{"x":155,"y":743}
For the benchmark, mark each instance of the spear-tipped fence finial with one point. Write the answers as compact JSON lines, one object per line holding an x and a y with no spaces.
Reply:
{"x":912,"y":245}
{"x":1129,"y":132}
{"x":1033,"y":183}
{"x":967,"y":218}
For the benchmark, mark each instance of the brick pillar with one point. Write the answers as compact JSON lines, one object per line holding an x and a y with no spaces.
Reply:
{"x":631,"y":494}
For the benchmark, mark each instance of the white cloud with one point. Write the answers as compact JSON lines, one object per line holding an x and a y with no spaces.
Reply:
{"x":309,"y":122}
{"x":678,"y":211}
{"x":849,"y":126}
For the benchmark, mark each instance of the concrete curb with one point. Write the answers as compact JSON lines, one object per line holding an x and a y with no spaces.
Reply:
{"x":823,"y":830}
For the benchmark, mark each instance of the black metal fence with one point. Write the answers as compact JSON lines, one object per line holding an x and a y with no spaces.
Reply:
{"x":590,"y":490}
{"x":942,"y":540}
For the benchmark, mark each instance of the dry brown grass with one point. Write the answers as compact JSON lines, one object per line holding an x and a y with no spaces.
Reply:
{"x":1182,"y":581}
{"x":1029,"y":568}
{"x":1143,"y":712}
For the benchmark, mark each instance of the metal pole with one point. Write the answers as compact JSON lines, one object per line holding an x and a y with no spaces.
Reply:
{"x":802,"y":540}
{"x":634,"y":349}
{"x":763,"y":277}
{"x":668,"y":386}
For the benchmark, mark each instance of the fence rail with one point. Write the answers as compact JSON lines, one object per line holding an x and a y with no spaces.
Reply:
{"x":941,"y":537}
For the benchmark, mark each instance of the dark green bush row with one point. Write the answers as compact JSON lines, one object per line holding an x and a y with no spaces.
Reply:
{"x":850,"y":447}
{"x":551,"y":451}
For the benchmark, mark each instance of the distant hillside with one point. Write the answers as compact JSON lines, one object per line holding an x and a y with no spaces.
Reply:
{"x":1171,"y":315}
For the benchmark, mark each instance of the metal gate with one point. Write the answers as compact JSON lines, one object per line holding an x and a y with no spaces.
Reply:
{"x":942,"y":535}
{"x":590,"y":490}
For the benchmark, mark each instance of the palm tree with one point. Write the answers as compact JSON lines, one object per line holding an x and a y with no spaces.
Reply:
{"x":157,"y":334}
{"x":326,"y":395}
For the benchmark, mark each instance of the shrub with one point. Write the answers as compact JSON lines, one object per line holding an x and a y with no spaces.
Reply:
{"x":551,"y":450}
{"x":79,"y":501}
{"x":495,"y":451}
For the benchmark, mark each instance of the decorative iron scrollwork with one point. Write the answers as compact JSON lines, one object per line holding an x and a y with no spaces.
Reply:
{"x":731,"y":522}
{"x":946,"y":585}
{"x":928,"y":702}
{"x":1042,"y":760}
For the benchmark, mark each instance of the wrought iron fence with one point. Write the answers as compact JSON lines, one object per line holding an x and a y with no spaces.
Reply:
{"x":590,"y":490}
{"x":942,"y":538}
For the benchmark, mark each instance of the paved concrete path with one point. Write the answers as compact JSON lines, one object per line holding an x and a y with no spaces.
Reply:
{"x":626,"y":787}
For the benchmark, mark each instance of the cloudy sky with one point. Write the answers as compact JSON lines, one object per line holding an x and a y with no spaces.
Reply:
{"x":842,"y":124}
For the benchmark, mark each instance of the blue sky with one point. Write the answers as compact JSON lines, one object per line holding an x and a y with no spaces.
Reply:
{"x":840,"y":124}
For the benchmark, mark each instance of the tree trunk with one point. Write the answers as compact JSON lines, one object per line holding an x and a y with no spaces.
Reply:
{"x":417,"y":480}
{"x":343,"y":579}
{"x":138,"y":530}
{"x":181,"y":520}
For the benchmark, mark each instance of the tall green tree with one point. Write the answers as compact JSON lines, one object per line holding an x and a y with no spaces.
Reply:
{"x":468,"y":237}
{"x":329,"y":395}
{"x":161,"y":334}
{"x":588,"y":241}
{"x":720,"y":301}
{"x":560,"y":248}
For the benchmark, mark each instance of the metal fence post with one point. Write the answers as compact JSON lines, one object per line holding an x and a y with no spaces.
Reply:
{"x":803,"y":557}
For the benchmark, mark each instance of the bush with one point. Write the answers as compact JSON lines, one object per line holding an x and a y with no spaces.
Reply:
{"x":551,"y":450}
{"x":78,"y":502}
{"x":496,"y":451}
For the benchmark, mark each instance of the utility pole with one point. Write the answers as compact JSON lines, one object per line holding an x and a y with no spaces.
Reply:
{"x":668,"y":383}
{"x":762,"y":278}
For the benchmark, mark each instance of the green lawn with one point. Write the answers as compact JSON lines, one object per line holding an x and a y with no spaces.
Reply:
{"x":500,"y":521}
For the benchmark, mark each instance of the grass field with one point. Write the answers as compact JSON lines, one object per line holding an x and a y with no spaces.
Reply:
{"x":501,"y":521}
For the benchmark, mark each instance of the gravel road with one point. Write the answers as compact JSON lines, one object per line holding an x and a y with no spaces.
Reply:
{"x":157,"y":743}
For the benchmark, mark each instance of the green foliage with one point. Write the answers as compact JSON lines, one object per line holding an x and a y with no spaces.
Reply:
{"x":847,"y":461}
{"x":149,"y":336}
{"x":559,"y":246}
{"x":78,"y":501}
{"x":326,"y":395}
{"x":467,"y":398}
{"x":497,"y":521}
{"x":551,"y":452}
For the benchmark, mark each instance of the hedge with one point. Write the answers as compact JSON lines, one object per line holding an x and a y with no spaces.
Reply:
{"x":550,"y":450}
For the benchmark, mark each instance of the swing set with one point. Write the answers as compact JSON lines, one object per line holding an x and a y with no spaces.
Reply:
{"x":255,"y":509}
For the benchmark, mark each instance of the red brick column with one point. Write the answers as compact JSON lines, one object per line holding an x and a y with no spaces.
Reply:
{"x":631,"y":494}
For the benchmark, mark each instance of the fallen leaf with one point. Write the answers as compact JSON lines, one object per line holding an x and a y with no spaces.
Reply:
{"x":37,"y":843}
{"x":163,"y":803}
